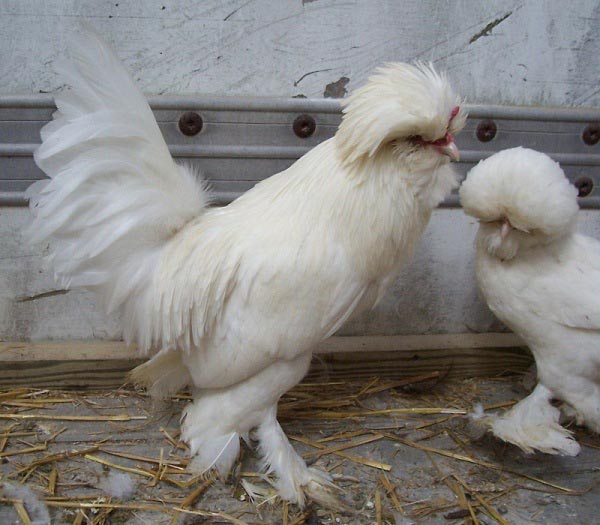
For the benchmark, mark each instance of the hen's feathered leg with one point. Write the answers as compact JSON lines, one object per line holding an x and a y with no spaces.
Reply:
{"x":584,"y":398}
{"x":295,"y":480}
{"x":532,"y":424}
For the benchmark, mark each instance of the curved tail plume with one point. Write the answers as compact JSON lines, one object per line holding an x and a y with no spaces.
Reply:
{"x":115,"y":195}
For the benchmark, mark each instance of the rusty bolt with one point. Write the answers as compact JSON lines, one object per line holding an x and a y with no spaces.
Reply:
{"x":486,"y":130}
{"x":591,"y":134}
{"x":190,"y":123}
{"x":304,"y":126}
{"x":585,"y":185}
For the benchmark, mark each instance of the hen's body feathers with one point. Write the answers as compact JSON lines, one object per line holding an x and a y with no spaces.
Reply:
{"x":543,"y":280}
{"x":550,"y":296}
{"x":233,"y":299}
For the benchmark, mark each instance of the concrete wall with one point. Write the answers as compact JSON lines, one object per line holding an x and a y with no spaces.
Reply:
{"x":436,"y":293}
{"x":506,"y":51}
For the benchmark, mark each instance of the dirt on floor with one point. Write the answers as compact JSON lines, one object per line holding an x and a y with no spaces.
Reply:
{"x":401,"y":452}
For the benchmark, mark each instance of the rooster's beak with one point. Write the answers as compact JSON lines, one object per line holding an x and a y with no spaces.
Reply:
{"x":450,"y":150}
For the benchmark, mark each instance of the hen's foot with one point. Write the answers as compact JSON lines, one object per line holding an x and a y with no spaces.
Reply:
{"x":532,"y":424}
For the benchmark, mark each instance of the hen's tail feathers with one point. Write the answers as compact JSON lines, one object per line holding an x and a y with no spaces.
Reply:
{"x":532,"y":424}
{"x":115,"y":195}
{"x":163,"y":376}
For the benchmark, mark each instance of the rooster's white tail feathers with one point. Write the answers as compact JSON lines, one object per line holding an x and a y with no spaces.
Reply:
{"x":115,"y":195}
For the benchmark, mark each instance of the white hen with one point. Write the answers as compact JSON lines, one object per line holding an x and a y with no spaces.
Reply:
{"x":543,"y":280}
{"x":234,"y":298}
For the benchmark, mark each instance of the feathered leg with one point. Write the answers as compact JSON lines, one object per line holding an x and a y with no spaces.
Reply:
{"x":568,"y":415}
{"x":212,"y":425}
{"x":217,"y":418}
{"x":532,"y":424}
{"x":295,"y":480}
{"x":584,"y":400}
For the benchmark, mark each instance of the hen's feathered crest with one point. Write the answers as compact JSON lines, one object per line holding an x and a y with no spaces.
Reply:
{"x":524,"y":186}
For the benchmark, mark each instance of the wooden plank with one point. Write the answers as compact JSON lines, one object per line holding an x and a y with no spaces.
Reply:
{"x":95,"y":350}
{"x":451,"y":362}
{"x":66,"y":350}
{"x":417,"y":342}
{"x":105,"y":364}
{"x":79,"y":374}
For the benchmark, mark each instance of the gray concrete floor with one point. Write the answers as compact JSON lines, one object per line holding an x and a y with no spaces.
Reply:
{"x":437,"y":468}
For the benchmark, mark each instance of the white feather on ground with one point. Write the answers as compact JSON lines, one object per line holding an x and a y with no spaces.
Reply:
{"x":118,"y":485}
{"x":232,"y":300}
{"x":35,"y":507}
{"x":542,"y":279}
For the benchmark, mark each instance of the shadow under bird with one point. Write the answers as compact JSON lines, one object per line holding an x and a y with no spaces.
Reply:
{"x":541,"y":278}
{"x":230,"y":301}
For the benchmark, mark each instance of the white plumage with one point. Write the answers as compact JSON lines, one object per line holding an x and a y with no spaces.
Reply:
{"x":231,"y":300}
{"x":543,"y":280}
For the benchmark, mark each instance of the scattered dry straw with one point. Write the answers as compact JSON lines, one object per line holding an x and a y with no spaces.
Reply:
{"x":344,"y":430}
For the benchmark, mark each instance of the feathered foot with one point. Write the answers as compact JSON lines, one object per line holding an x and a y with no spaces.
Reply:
{"x":322,"y":490}
{"x":583,"y":400}
{"x":211,"y":444}
{"x":569,"y":414}
{"x":532,"y":424}
{"x":295,"y":481}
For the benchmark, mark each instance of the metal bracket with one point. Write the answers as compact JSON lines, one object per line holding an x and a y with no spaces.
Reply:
{"x":237,"y":142}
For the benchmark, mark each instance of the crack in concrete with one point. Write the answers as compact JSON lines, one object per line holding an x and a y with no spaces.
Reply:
{"x":309,"y":73}
{"x":43,"y":295}
{"x":488,"y":28}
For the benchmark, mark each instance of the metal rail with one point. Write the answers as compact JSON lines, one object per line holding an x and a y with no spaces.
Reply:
{"x":237,"y":141}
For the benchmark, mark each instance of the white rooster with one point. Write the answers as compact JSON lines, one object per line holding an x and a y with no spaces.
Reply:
{"x":233,"y":299}
{"x":542,"y":279}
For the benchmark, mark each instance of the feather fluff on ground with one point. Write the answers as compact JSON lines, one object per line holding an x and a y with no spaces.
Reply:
{"x":230,"y":301}
{"x":542,"y":279}
{"x":118,"y":485}
{"x":36,"y":508}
